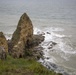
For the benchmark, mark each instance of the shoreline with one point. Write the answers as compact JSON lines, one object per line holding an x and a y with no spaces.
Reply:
{"x":39,"y":53}
{"x":23,"y":44}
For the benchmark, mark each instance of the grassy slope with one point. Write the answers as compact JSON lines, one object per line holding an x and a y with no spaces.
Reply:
{"x":22,"y":66}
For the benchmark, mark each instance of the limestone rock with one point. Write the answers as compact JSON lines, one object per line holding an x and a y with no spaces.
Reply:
{"x":3,"y":46}
{"x":21,"y":36}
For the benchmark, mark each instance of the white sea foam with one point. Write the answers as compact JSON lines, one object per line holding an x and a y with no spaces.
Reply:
{"x":62,"y":49}
{"x":59,"y":53}
{"x":37,"y":31}
{"x":8,"y":36}
{"x":66,"y":48}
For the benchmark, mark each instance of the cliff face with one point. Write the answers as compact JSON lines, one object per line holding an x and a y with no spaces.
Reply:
{"x":22,"y":36}
{"x":3,"y":46}
{"x":3,"y":42}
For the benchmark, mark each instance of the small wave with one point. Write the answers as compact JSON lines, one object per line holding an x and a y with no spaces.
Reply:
{"x":66,"y":48}
{"x":65,"y":51}
{"x":8,"y":36}
{"x":51,"y":29}
{"x":58,"y":35}
{"x":37,"y":31}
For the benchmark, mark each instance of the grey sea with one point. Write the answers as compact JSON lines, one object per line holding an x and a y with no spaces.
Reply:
{"x":57,"y":17}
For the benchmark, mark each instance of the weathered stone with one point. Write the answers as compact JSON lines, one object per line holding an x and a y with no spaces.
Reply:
{"x":37,"y":52}
{"x":48,"y":33}
{"x":22,"y":36}
{"x":2,"y":53}
{"x":36,"y":40}
{"x":3,"y":46}
{"x":54,"y":43}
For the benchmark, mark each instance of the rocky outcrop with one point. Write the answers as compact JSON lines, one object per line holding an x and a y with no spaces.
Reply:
{"x":3,"y":46}
{"x":22,"y":36}
{"x":33,"y":48}
{"x":36,"y":40}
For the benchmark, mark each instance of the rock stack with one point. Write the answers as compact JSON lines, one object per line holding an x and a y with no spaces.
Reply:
{"x":23,"y":40}
{"x":22,"y":36}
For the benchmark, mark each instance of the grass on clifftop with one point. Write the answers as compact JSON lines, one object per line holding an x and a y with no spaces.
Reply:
{"x":22,"y":66}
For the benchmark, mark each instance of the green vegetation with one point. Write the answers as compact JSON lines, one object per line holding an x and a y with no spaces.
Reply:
{"x":22,"y":66}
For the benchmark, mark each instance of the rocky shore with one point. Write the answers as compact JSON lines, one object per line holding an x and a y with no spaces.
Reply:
{"x":23,"y":43}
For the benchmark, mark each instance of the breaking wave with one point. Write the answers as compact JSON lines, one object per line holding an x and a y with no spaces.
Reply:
{"x":62,"y":51}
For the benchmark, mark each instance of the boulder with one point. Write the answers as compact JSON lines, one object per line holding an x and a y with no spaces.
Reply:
{"x":3,"y":46}
{"x":22,"y":36}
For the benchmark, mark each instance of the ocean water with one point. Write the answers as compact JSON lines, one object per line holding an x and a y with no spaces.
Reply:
{"x":56,"y":17}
